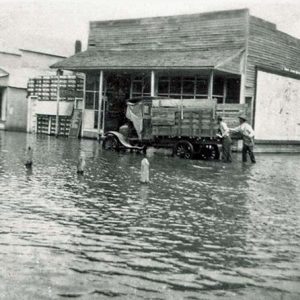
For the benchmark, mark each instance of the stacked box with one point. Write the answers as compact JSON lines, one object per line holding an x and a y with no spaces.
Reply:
{"x":46,"y":87}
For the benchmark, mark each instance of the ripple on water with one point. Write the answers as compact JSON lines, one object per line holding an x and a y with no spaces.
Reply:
{"x":199,"y":228}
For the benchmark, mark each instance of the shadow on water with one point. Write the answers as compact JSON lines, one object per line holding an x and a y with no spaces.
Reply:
{"x":198,"y":230}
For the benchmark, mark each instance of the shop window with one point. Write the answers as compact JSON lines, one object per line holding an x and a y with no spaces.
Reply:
{"x":140,"y":86}
{"x":202,"y":86}
{"x":91,"y":82}
{"x":89,"y":100}
{"x":218,"y":89}
{"x":188,"y":86}
{"x":175,"y":85}
{"x":163,"y":86}
{"x":233,"y":90}
{"x":183,"y":87}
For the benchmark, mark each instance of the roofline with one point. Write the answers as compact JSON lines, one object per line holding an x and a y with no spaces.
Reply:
{"x":82,"y":68}
{"x":10,"y":52}
{"x":193,"y":68}
{"x":40,"y":52}
{"x":173,"y":16}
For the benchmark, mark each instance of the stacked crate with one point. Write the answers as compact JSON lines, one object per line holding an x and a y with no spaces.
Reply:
{"x":45,"y":88}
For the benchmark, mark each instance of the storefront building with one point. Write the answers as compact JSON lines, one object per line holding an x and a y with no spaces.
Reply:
{"x":229,"y":56}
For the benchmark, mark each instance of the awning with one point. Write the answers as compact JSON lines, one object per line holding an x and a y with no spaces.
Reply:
{"x":227,"y":60}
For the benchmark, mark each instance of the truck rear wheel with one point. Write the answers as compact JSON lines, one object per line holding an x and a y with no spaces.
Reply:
{"x":209,"y":152}
{"x":184,"y":149}
{"x":110,"y":143}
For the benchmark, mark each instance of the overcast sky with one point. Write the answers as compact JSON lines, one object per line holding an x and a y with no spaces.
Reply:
{"x":56,"y":24}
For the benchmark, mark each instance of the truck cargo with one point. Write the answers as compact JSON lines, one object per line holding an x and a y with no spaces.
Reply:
{"x":187,"y":126}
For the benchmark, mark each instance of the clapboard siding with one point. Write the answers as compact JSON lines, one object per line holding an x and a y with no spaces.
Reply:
{"x":269,"y":48}
{"x":201,"y":31}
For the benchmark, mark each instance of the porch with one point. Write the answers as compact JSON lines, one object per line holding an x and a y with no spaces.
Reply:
{"x":116,"y":86}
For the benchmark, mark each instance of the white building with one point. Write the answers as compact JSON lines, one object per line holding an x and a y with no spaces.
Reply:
{"x":16,"y":67}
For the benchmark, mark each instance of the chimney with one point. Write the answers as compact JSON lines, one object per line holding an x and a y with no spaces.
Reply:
{"x":77,"y":46}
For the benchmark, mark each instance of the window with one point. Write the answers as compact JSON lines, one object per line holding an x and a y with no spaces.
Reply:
{"x":140,"y":86}
{"x":183,"y":87}
{"x":233,"y":90}
{"x":218,"y":89}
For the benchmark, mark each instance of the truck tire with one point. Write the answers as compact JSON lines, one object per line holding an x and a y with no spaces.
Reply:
{"x":184,"y":149}
{"x":110,"y":143}
{"x":209,"y":152}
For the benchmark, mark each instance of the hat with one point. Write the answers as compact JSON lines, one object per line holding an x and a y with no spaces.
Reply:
{"x":243,"y":117}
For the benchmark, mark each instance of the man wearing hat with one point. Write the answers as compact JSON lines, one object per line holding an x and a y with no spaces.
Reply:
{"x":226,"y":140}
{"x":247,"y":133}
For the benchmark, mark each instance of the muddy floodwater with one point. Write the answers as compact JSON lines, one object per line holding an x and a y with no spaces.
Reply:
{"x":199,"y":230}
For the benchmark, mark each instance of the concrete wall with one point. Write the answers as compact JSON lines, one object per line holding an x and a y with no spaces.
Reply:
{"x":16,"y":110}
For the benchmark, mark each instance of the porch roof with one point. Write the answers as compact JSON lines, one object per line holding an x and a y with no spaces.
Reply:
{"x":227,"y":60}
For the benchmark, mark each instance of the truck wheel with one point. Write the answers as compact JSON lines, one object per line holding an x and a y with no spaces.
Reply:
{"x":110,"y":143}
{"x":209,"y":152}
{"x":184,"y":149}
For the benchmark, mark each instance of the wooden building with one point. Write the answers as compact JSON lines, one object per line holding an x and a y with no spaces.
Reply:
{"x":231,"y":56}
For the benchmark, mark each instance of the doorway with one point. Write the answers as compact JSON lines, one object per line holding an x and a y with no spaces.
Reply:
{"x":117,"y":91}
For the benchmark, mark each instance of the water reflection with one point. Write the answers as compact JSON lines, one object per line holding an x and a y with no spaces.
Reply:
{"x":198,"y":230}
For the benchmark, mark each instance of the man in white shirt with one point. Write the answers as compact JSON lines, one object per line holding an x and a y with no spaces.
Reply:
{"x":247,"y":133}
{"x":226,"y":140}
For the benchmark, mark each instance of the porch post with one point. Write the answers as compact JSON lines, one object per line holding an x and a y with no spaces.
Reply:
{"x":57,"y":104}
{"x":211,"y":85}
{"x":83,"y":104}
{"x":100,"y":105}
{"x":225,"y":90}
{"x":242,"y":88}
{"x":152,"y":84}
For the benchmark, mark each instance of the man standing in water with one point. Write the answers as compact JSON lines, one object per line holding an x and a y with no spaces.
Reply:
{"x":226,"y":140}
{"x":247,"y":133}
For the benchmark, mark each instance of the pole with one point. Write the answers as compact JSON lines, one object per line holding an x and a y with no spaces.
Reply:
{"x":83,"y":104}
{"x":57,"y":104}
{"x":152,"y":83}
{"x":100,"y":132}
{"x":211,"y":85}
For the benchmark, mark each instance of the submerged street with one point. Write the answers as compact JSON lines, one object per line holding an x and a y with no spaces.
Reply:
{"x":199,"y":230}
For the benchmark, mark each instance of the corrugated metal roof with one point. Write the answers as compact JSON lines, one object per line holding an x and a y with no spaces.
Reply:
{"x":148,"y":59}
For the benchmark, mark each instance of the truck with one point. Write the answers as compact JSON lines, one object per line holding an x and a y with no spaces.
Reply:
{"x":187,"y":126}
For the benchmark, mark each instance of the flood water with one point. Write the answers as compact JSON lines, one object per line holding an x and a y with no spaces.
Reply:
{"x":199,"y":230}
